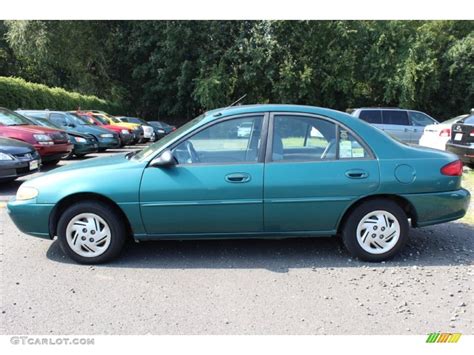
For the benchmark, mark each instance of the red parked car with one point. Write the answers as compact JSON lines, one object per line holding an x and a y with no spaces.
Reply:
{"x":51,"y":144}
{"x":125,"y":134}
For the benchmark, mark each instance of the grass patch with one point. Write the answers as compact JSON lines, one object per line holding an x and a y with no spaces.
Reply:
{"x":468,"y":184}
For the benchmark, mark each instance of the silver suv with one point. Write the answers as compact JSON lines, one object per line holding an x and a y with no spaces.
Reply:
{"x":406,"y":125}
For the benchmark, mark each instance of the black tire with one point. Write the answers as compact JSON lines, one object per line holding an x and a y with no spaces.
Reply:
{"x":349,"y":229}
{"x":114,"y":221}
{"x":51,"y":162}
{"x":80,"y":156}
{"x":471,"y":165}
{"x":101,"y":150}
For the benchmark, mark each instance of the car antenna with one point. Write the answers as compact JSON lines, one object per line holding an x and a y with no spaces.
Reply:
{"x":235,"y":102}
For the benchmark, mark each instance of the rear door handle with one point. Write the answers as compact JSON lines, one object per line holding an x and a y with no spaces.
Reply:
{"x":357,"y":174}
{"x":238,"y":178}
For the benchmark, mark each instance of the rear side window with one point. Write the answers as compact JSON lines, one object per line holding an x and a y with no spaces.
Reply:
{"x":371,"y":116}
{"x":395,"y":117}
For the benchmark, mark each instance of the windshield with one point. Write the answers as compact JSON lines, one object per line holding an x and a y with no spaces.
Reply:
{"x":154,"y":148}
{"x":78,"y":120}
{"x":101,"y":119}
{"x":44,"y":122}
{"x":10,"y":118}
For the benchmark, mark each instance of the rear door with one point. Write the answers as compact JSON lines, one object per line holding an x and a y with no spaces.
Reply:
{"x":314,"y":170}
{"x":397,"y":124}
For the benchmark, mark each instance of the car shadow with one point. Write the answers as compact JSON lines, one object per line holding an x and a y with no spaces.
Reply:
{"x":450,"y":244}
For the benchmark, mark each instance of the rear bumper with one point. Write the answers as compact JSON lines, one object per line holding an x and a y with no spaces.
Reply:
{"x":464,"y":152}
{"x":30,"y":217}
{"x":434,"y":208}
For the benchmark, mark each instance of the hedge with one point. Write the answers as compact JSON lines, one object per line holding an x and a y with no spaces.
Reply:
{"x":17,"y":93}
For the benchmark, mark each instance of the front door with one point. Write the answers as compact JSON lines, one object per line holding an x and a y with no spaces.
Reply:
{"x":216,"y":186}
{"x":314,"y":171}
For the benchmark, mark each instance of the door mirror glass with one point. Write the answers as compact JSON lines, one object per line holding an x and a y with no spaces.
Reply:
{"x":164,"y":159}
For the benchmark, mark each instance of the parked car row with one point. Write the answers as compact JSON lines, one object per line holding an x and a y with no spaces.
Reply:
{"x":414,"y":127}
{"x":56,"y":135}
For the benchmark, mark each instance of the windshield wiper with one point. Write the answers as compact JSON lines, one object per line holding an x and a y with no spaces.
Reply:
{"x":131,"y":154}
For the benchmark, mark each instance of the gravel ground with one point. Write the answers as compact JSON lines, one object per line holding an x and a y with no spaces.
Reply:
{"x":293,"y":286}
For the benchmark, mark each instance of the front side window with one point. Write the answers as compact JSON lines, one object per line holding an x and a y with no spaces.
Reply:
{"x":303,"y":138}
{"x":231,"y":141}
{"x":420,"y":119}
{"x":395,"y":117}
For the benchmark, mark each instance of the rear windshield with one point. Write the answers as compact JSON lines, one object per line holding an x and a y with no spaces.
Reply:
{"x":469,"y":120}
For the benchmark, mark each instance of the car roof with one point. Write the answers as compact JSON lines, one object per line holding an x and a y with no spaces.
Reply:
{"x":261,"y":108}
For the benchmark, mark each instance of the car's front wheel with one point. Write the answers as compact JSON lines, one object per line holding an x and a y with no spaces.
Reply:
{"x":375,"y":230}
{"x":91,"y":232}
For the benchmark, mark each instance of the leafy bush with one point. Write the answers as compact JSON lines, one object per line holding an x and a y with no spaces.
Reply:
{"x":17,"y":93}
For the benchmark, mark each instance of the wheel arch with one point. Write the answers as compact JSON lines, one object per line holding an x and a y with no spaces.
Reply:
{"x":406,"y":205}
{"x":69,"y":200}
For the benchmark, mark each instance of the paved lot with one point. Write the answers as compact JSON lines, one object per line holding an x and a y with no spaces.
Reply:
{"x":295,"y":286}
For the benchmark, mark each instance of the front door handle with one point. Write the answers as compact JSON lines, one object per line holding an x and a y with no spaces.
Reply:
{"x":238,"y":178}
{"x":357,"y":174}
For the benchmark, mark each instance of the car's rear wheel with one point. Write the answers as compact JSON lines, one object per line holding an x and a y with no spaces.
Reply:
{"x":375,"y":230}
{"x":91,"y":232}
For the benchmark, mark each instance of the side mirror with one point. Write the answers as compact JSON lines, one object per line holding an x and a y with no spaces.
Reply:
{"x":164,"y":159}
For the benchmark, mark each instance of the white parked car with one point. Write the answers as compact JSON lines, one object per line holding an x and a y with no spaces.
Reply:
{"x":148,"y":131}
{"x":437,"y":135}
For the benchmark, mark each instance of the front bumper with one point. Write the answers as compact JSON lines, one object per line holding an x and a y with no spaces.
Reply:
{"x":85,"y":148}
{"x":439,"y":207}
{"x":464,"y":152}
{"x":12,"y":169}
{"x":30,"y":217}
{"x":126,"y":138}
{"x":108,"y":142}
{"x":53,"y":152}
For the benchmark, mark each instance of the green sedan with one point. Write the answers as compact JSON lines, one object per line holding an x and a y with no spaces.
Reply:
{"x":248,"y":172}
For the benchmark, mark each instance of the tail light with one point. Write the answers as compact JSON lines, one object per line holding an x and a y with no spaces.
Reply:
{"x":174,"y":128}
{"x":452,"y":169}
{"x":472,"y":133}
{"x":445,"y":132}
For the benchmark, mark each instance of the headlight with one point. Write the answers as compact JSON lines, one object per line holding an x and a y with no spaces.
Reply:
{"x":107,"y":135}
{"x":26,"y":193}
{"x":4,"y":156}
{"x":125,"y":131}
{"x":43,"y":139}
{"x":80,"y":139}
